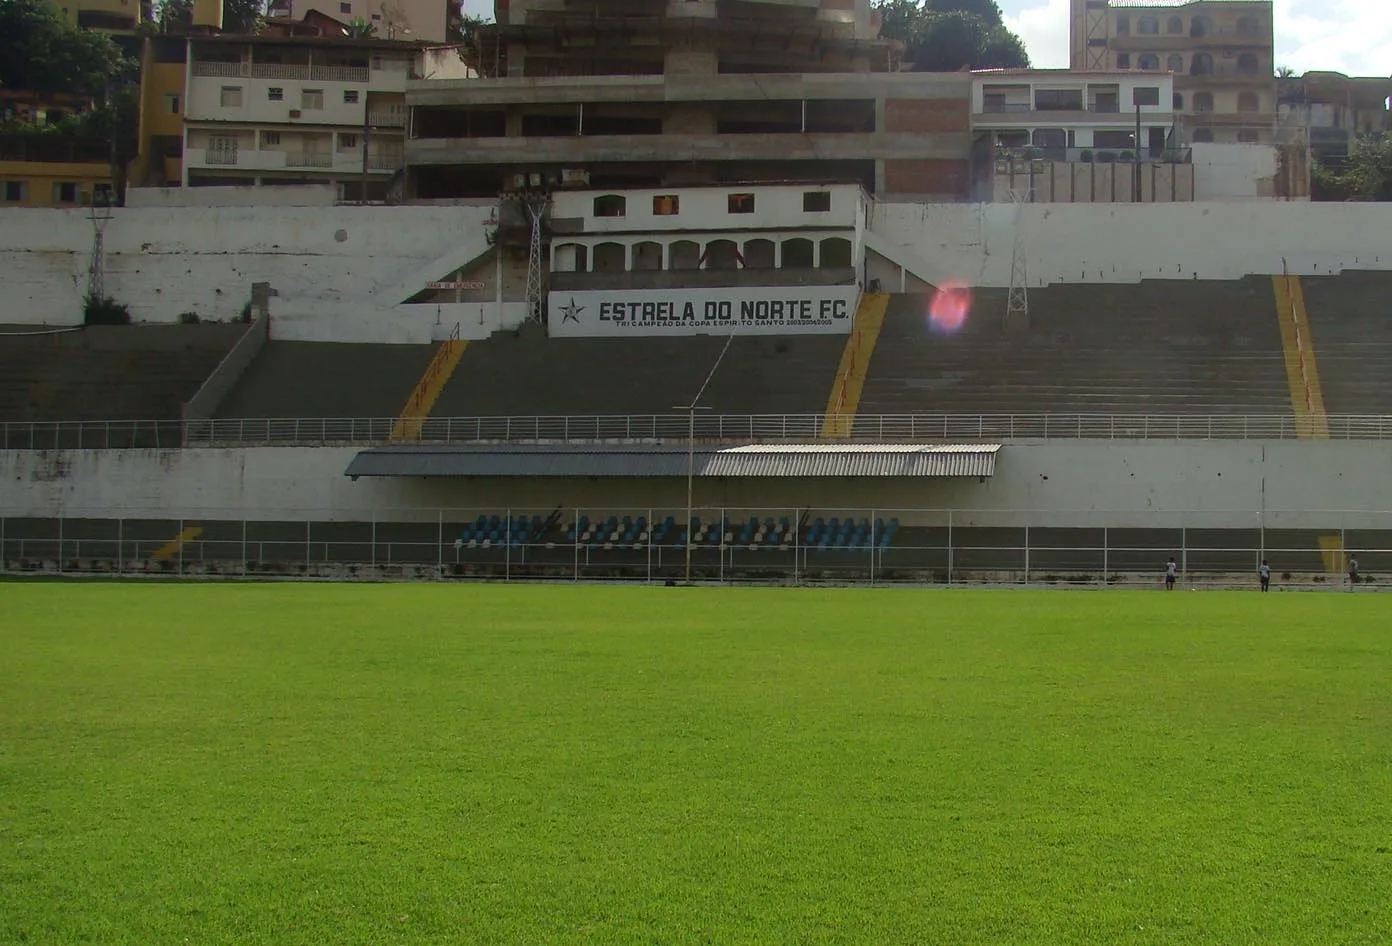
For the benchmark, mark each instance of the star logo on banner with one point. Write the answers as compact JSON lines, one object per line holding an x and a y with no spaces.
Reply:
{"x":571,"y":313}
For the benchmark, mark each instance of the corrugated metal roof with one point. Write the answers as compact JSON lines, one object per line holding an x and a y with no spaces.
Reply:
{"x":781,"y":460}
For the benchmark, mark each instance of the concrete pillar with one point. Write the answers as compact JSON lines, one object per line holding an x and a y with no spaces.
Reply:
{"x":516,"y":60}
{"x":513,"y":123}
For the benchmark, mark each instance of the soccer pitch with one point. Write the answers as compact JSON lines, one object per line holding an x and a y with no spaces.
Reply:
{"x":413,"y":764}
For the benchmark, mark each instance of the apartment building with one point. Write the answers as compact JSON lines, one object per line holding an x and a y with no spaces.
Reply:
{"x":653,"y":94}
{"x":417,"y":20}
{"x":1220,"y":51}
{"x":292,"y":110}
{"x":1332,"y":110}
{"x":54,"y":171}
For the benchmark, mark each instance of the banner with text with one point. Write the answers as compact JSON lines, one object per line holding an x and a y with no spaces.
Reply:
{"x":791,"y":310}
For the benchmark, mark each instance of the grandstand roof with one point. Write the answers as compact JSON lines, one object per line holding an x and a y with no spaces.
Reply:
{"x":759,"y":460}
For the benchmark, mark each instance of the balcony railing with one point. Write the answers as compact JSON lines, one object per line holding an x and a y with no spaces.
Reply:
{"x":733,"y":428}
{"x":393,"y":116}
{"x":282,"y":70}
{"x":308,"y":159}
{"x":1022,"y":157}
{"x":226,"y":158}
{"x":1015,"y":108}
{"x":220,"y":70}
{"x":385,"y":162}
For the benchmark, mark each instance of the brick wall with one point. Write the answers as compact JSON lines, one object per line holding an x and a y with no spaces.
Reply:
{"x":927,"y":115}
{"x":927,"y":178}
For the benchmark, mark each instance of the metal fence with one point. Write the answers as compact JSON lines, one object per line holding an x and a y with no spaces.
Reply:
{"x":871,"y":546}
{"x":708,"y":426}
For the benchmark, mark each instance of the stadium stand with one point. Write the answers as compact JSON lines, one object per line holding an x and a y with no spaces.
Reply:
{"x":135,"y":372}
{"x":525,"y":373}
{"x":327,"y":379}
{"x":1349,"y":322}
{"x":1160,"y":347}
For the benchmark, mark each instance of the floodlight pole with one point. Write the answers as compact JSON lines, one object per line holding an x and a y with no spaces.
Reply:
{"x":691,"y":410}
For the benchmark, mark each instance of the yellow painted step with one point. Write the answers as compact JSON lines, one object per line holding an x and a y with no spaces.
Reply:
{"x":855,"y":365}
{"x":1302,"y":372}
{"x":1332,"y":551}
{"x":428,"y":390}
{"x":175,"y":545}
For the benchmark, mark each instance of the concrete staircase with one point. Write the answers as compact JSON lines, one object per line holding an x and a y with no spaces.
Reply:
{"x":526,"y":373}
{"x":1350,"y":318}
{"x":134,"y":372}
{"x":1158,"y":347}
{"x":327,"y":379}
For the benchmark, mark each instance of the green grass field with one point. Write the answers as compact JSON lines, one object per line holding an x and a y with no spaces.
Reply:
{"x":314,"y":764}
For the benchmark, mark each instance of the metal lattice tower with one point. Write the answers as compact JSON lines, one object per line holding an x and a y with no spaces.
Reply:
{"x":1017,"y":301}
{"x":100,"y":216}
{"x":537,"y":206}
{"x":1089,"y":31}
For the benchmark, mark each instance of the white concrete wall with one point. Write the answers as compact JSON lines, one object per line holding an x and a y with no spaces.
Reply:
{"x":305,"y":195}
{"x":1205,"y":484}
{"x":1234,"y":171}
{"x":339,"y":272}
{"x":707,"y":209}
{"x":1070,"y":243}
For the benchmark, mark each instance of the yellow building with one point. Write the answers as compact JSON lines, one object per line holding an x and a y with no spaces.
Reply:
{"x":112,"y":16}
{"x":53,"y":171}
{"x":159,"y":162}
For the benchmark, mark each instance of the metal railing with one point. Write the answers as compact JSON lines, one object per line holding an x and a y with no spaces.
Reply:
{"x":308,"y":159}
{"x":756,"y":428}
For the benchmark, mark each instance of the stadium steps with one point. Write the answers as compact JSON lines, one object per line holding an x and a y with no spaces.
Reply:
{"x":427,"y":389}
{"x":327,"y":379}
{"x":856,"y":355}
{"x":1302,"y":371}
{"x":1350,"y":317}
{"x":134,"y":372}
{"x":1157,"y":347}
{"x":525,"y":373}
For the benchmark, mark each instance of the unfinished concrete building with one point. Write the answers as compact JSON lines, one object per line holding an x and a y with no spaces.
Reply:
{"x":647,"y":93}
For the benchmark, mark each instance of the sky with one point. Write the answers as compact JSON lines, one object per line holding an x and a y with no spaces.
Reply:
{"x":1349,"y":36}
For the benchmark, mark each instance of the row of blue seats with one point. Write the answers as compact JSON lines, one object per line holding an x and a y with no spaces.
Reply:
{"x":820,"y":533}
{"x":494,"y":529}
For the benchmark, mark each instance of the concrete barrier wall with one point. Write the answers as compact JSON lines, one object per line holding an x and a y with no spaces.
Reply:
{"x":1199,"y":484}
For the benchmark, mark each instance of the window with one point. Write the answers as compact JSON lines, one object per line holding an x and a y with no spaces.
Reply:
{"x":231,"y":96}
{"x":1179,"y":101}
{"x":1248,"y":64}
{"x":65,"y":192}
{"x":103,"y":195}
{"x":1148,"y":61}
{"x":1148,"y":26}
{"x":1175,"y":26}
{"x":1201,"y":65}
{"x":1123,"y":25}
{"x":1203,"y":135}
{"x":347,"y":142}
{"x":1123,"y":60}
{"x":816,"y":202}
{"x":275,"y":94}
{"x":1175,"y":63}
{"x":1058,"y":100}
{"x":1113,"y":139}
{"x":1247,"y":26}
{"x":350,"y":96}
{"x":740,"y":203}
{"x":270,"y":138}
{"x":1248,"y":102}
{"x":666,"y":205}
{"x":1200,"y":26}
{"x":1050,"y":138}
{"x":1203,"y":101}
{"x":14,"y":192}
{"x":722,"y":254}
{"x":312,"y":99}
{"x":345,"y":8}
{"x":797,"y":253}
{"x":1248,"y":136}
{"x":610,"y":205}
{"x":171,"y":103}
{"x":759,"y":254}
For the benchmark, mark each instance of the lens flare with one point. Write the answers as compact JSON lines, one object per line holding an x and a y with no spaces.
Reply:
{"x":950,"y":306}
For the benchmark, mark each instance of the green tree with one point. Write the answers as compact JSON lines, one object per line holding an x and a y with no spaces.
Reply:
{"x":948,"y":35}
{"x":174,"y":16}
{"x":1366,"y":175}
{"x":243,"y":16}
{"x":358,"y":28}
{"x":40,"y":51}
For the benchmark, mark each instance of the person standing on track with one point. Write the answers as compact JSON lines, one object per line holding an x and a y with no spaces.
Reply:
{"x":1171,"y":573}
{"x":1353,"y":571}
{"x":1264,"y":573}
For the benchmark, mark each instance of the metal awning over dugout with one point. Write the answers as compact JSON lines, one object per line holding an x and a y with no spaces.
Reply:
{"x":629,"y":461}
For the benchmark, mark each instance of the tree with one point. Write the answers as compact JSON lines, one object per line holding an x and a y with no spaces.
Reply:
{"x":40,"y":51}
{"x":948,"y":35}
{"x":358,"y":28}
{"x":1366,"y":175}
{"x":175,"y":16}
{"x":243,"y":16}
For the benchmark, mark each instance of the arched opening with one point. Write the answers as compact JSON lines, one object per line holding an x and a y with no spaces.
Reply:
{"x":759,"y":254}
{"x":1203,"y":101}
{"x":570,"y":258}
{"x":1247,"y":26}
{"x":1203,"y":135}
{"x":1148,"y":61}
{"x":1200,"y":26}
{"x":1148,"y":26}
{"x":1175,"y":26}
{"x":610,"y":258}
{"x":797,"y":253}
{"x":647,"y":256}
{"x":1123,"y":25}
{"x":685,"y":254}
{"x":722,"y":254}
{"x":1175,"y":63}
{"x":836,"y":253}
{"x":1248,"y":102}
{"x":610,"y":205}
{"x":1201,"y":65}
{"x":1248,"y":64}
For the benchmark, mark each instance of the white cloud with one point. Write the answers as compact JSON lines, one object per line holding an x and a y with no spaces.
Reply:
{"x":1350,"y":36}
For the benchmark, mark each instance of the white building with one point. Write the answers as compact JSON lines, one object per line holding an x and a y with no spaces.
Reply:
{"x":1075,"y":116}
{"x":279,"y":110}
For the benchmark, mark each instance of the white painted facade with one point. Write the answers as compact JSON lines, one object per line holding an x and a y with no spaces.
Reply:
{"x":1085,"y":483}
{"x":788,"y":310}
{"x":1073,"y":112}
{"x":261,"y":110}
